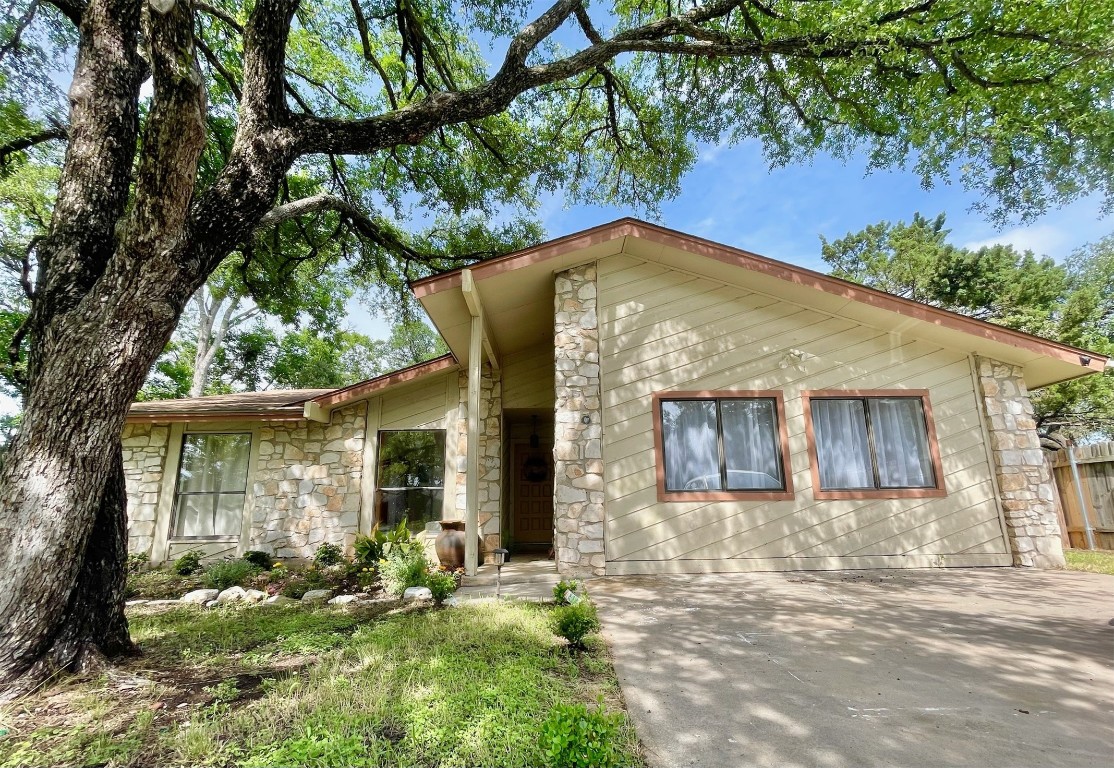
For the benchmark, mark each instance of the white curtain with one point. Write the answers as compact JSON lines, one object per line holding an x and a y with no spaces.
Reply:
{"x":750,"y":444}
{"x":212,"y":480}
{"x":900,"y":443}
{"x":842,"y":447}
{"x":691,"y":447}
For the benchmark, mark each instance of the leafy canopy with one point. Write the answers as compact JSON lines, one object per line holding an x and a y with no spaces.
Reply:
{"x":1072,"y":302}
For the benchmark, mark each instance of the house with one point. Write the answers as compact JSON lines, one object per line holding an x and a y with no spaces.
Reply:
{"x":643,"y":401}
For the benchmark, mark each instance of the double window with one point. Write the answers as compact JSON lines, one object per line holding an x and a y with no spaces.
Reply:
{"x":720,"y":446}
{"x":410,"y":478}
{"x":212,"y":483}
{"x":872,"y":445}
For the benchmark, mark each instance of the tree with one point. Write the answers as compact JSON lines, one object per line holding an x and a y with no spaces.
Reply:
{"x":1071,"y":302}
{"x":154,"y":194}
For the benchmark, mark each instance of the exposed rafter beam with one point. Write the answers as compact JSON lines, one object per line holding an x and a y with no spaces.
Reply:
{"x":471,"y":293}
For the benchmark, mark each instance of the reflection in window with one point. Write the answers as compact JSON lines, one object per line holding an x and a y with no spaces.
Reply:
{"x":872,"y":443}
{"x":411,"y":477}
{"x":212,"y":481}
{"x":721,"y":444}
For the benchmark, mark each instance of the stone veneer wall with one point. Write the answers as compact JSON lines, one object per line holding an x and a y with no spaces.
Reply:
{"x":491,"y":448}
{"x":1024,"y":480}
{"x":307,"y":484}
{"x":144,"y":456}
{"x":578,"y":498}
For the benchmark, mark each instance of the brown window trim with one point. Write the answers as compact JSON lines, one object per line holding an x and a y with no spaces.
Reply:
{"x":783,"y":438}
{"x":938,"y":490}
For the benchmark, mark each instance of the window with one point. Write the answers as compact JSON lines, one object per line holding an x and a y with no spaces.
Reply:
{"x":720,"y":446}
{"x":411,"y":477}
{"x":212,"y":481}
{"x":878,"y":444}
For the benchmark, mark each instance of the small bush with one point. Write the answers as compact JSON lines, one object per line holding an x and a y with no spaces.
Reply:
{"x":575,"y":737}
{"x":442,"y":585}
{"x":137,"y":562}
{"x":575,"y":622}
{"x":229,"y":573}
{"x":369,"y":549}
{"x":187,"y":564}
{"x":328,"y":554}
{"x":261,"y":560}
{"x":563,"y":587}
{"x":404,"y":569}
{"x":295,"y":587}
{"x":160,"y":584}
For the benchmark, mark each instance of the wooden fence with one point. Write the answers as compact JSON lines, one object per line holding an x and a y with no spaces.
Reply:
{"x":1092,"y":495}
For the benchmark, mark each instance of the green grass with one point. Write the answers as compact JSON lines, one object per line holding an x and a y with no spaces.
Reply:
{"x":470,"y":686}
{"x":1098,"y":561}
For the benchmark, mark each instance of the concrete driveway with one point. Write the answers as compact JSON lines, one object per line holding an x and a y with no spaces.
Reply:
{"x":983,"y":667}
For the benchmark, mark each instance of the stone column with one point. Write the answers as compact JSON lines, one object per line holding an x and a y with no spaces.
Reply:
{"x":578,"y":497}
{"x":144,"y":450}
{"x":491,"y":449}
{"x":1024,"y":480}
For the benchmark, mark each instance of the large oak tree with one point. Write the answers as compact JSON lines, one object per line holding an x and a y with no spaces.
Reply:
{"x":601,"y":104}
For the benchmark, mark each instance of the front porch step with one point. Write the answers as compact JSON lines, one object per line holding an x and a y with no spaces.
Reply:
{"x":540,"y":572}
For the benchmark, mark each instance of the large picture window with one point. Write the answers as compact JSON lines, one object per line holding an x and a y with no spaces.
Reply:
{"x":410,"y":479}
{"x":212,"y":482}
{"x":720,"y":445}
{"x":872,"y":444}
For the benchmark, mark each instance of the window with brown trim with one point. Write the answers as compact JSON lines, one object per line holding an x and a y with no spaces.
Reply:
{"x":872,"y":444}
{"x":718,"y":446}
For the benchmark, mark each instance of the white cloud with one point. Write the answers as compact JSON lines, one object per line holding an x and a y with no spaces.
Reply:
{"x":1043,"y":240}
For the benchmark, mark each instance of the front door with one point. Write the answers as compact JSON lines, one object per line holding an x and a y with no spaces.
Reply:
{"x":533,"y":497}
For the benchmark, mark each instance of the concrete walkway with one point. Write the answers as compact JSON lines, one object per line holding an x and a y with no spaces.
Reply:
{"x":523,"y":579}
{"x":982,"y":667}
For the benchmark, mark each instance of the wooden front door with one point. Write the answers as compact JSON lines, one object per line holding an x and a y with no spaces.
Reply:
{"x":533,"y":499}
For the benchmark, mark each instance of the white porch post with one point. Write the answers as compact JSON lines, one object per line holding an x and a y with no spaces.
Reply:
{"x":472,"y":488}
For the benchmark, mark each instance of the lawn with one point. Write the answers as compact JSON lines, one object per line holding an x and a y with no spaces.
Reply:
{"x":1097,"y":561}
{"x":263,"y":686}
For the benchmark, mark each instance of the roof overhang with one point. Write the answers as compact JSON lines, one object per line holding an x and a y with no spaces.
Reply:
{"x":517,"y":294}
{"x":319,"y":407}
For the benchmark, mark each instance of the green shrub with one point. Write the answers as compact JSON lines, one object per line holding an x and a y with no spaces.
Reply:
{"x":137,"y":562}
{"x":328,"y":554}
{"x":563,"y":587}
{"x":404,"y":568}
{"x":575,"y":737}
{"x":160,"y":584}
{"x":442,"y":585}
{"x":295,"y":587}
{"x":261,"y":560}
{"x":369,"y":549}
{"x":187,"y":564}
{"x":229,"y":573}
{"x":575,"y":622}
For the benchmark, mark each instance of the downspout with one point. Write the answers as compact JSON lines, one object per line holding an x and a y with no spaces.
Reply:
{"x":1079,"y":495}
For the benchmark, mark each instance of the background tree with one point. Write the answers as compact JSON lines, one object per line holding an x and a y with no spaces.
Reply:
{"x":603,"y":104}
{"x":1071,"y":302}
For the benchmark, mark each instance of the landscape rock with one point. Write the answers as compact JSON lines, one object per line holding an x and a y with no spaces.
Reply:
{"x":200,"y":596}
{"x":343,"y":600}
{"x":280,"y":600}
{"x":231,"y":595}
{"x":317,"y":595}
{"x":212,"y":604}
{"x":134,"y":602}
{"x":254,"y":595}
{"x":417,"y":593}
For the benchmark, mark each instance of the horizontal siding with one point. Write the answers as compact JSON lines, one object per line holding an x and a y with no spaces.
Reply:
{"x":527,"y":378}
{"x":420,"y":406}
{"x":664,"y":330}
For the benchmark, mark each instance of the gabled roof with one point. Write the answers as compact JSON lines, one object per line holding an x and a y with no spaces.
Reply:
{"x":517,"y":292}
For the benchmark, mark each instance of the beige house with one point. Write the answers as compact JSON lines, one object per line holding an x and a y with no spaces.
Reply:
{"x":641,"y":401}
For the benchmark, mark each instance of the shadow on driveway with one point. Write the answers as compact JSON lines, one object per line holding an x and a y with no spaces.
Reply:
{"x":986,"y":667}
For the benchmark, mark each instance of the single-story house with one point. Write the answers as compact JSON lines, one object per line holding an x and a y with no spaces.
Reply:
{"x":640,"y":401}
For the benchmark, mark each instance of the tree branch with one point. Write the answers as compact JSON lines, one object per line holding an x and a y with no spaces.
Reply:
{"x":71,"y":9}
{"x":18,"y":145}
